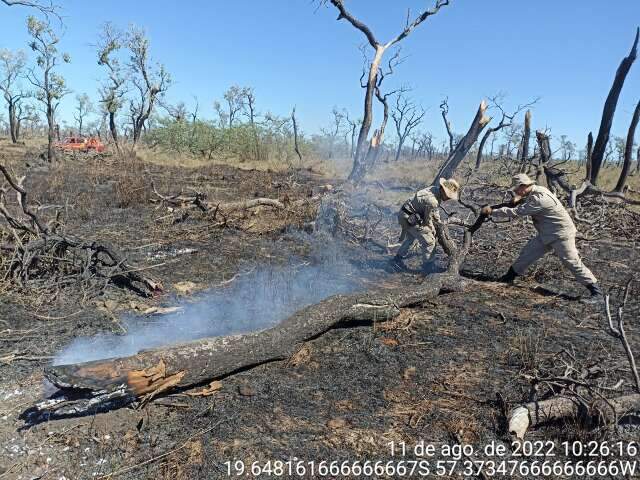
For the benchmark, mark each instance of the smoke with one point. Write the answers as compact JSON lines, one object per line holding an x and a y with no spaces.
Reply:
{"x":256,"y":300}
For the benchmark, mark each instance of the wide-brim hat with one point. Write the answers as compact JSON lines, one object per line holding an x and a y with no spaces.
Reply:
{"x":521,"y":179}
{"x":450,"y":187}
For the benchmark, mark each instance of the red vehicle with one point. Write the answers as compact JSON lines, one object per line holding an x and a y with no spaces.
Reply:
{"x":80,"y":144}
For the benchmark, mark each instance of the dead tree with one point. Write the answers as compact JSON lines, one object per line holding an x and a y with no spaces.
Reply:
{"x":464,"y":145}
{"x":12,"y":68}
{"x":377,"y":139}
{"x":50,"y":87}
{"x":250,"y":107}
{"x":588,"y":157}
{"x":506,"y":120}
{"x":112,"y":92}
{"x":406,"y":116}
{"x":334,"y":131}
{"x":360,"y":161}
{"x":150,"y":83}
{"x":628,"y":151}
{"x":296,"y":146}
{"x":444,"y":111}
{"x":609,"y":110}
{"x":526,"y":135}
{"x":353,"y":127}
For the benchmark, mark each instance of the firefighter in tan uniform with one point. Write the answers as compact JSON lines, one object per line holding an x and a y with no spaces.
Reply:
{"x":556,"y":232}
{"x":418,"y":217}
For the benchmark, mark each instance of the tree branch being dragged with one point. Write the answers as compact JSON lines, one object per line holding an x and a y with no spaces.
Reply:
{"x":36,"y":253}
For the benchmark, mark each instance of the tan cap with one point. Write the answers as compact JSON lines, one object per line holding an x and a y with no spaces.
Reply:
{"x":521,"y":179}
{"x":450,"y":187}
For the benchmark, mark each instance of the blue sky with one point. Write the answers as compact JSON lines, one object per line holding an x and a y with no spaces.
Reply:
{"x":293,"y":52}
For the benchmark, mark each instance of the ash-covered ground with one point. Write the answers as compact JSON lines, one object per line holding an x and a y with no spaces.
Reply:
{"x":434,"y":375}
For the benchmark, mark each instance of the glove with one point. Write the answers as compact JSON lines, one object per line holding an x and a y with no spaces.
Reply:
{"x":486,"y":211}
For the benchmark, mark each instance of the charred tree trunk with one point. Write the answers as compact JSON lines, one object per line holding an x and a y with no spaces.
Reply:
{"x":114,"y":129}
{"x":464,"y":145}
{"x":628,"y":151}
{"x":526,"y":135}
{"x":589,"y":159}
{"x":609,"y":110}
{"x":13,"y":122}
{"x":295,"y":135}
{"x":360,"y":158}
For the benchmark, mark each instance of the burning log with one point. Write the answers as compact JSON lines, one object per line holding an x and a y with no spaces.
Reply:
{"x":104,"y":384}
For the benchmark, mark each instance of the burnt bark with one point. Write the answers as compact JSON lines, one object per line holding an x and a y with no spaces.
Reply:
{"x":609,"y":110}
{"x":103,"y":384}
{"x":526,"y":135}
{"x":464,"y":145}
{"x":628,"y":151}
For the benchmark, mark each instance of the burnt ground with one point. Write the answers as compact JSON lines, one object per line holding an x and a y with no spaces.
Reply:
{"x":432,"y":375}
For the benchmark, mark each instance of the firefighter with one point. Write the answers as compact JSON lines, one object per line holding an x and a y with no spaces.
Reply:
{"x":418,"y":217}
{"x":556,"y":232}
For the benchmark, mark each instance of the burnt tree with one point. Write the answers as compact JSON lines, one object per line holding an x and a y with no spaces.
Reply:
{"x":360,"y":161}
{"x":406,"y":117}
{"x":609,"y":110}
{"x":628,"y":151}
{"x":464,"y":145}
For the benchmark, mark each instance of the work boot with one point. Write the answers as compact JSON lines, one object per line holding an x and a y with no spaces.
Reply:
{"x":595,"y":290}
{"x":508,"y":277}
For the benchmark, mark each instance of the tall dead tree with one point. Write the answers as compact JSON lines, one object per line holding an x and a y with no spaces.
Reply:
{"x":526,"y":135}
{"x":359,"y":163}
{"x":628,"y":151}
{"x":11,"y":69}
{"x":149,"y":82}
{"x":444,"y":111}
{"x":406,"y":117}
{"x":112,"y":92}
{"x":506,"y":120}
{"x":464,"y":145}
{"x":588,"y":157}
{"x":296,"y":146}
{"x":50,"y":86}
{"x":251,"y":113}
{"x":377,"y":139}
{"x":353,"y":127}
{"x":609,"y":110}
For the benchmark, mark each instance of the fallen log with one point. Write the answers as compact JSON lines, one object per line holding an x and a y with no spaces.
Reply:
{"x":600,"y":411}
{"x":104,"y":384}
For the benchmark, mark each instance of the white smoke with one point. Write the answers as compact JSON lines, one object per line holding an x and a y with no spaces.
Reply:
{"x":254,"y":301}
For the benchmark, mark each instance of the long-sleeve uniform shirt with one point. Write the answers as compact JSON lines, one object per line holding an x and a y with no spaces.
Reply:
{"x":550,"y":218}
{"x":556,"y":232}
